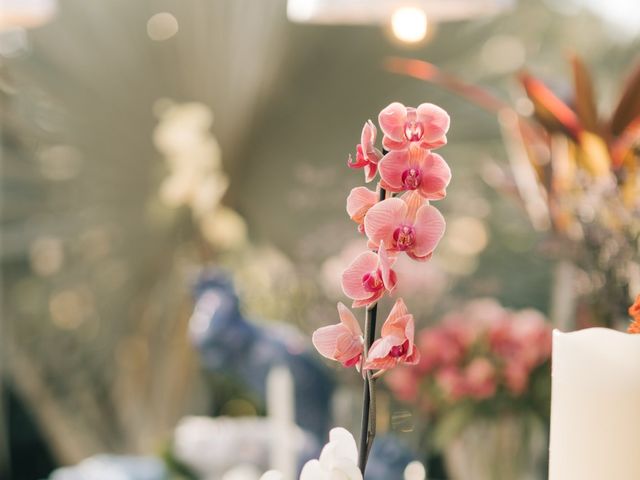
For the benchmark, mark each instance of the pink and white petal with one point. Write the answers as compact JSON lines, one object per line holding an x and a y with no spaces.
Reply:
{"x":359,"y":162}
{"x":374,"y":156}
{"x":378,"y":357}
{"x":352,"y":285}
{"x":434,"y":119}
{"x":370,"y":171}
{"x":365,"y":302}
{"x":385,"y":363}
{"x":368,"y":135}
{"x":436,"y":177}
{"x":383,"y":218}
{"x":412,"y":358}
{"x":325,"y":339}
{"x":440,"y":142}
{"x":396,"y":322}
{"x":391,"y":144}
{"x":389,"y":278}
{"x":392,"y":166}
{"x":348,"y":347}
{"x":368,"y":140}
{"x":439,"y":195}
{"x":409,"y":330}
{"x":423,"y":258}
{"x":414,"y":202}
{"x":429,"y":227}
{"x":358,"y":199}
{"x":349,"y":320}
{"x":392,"y":119}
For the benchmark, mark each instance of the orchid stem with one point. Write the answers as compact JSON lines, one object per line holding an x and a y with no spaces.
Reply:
{"x":366,"y":434}
{"x":368,"y":426}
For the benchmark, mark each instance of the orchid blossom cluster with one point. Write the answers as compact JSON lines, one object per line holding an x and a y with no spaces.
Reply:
{"x":403,"y":223}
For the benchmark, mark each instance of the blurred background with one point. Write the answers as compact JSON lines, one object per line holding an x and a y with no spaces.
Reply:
{"x":161,"y":156}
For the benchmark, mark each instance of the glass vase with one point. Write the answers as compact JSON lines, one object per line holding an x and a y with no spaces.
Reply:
{"x":511,"y":447}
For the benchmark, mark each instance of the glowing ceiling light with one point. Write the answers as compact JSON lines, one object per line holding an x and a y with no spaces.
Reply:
{"x":409,"y":24}
{"x":26,"y":13}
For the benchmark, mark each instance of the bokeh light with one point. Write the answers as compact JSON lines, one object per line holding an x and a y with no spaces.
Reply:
{"x":162,"y":26}
{"x":409,"y":24}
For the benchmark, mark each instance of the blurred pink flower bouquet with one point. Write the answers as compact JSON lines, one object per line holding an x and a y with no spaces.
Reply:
{"x":480,"y":361}
{"x":401,"y":222}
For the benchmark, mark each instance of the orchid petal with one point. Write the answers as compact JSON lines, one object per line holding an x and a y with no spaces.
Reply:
{"x":392,"y":166}
{"x":381,"y":220}
{"x":352,"y":285}
{"x":345,"y":444}
{"x":390,"y":144}
{"x":325,"y":340}
{"x":359,"y":201}
{"x":414,"y":202}
{"x":392,"y":119}
{"x":435,"y":121}
{"x":388,"y":276}
{"x":436,"y":177}
{"x":435,"y":144}
{"x":349,"y":320}
{"x":429,"y":227}
{"x":370,"y":171}
{"x":313,"y":471}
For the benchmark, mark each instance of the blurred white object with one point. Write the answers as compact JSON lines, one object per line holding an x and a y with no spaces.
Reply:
{"x":595,"y":407}
{"x":196,"y":178}
{"x":272,"y":475}
{"x":242,"y":472}
{"x":338,"y":459}
{"x":415,"y":471}
{"x":26,"y":13}
{"x":113,"y":467}
{"x":362,"y":12}
{"x":281,"y":411}
{"x":213,"y":446}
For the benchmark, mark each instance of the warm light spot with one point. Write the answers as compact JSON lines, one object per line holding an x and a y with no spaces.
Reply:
{"x":415,"y":471}
{"x":70,"y":308}
{"x":46,"y":255}
{"x":162,"y":26}
{"x":467,"y":236}
{"x":409,"y":24}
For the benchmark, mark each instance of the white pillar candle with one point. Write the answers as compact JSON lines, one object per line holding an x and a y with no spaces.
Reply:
{"x":595,"y":406}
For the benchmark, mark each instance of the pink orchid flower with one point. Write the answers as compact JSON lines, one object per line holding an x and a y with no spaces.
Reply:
{"x":396,"y":343}
{"x":367,"y":155}
{"x":415,"y":169}
{"x":359,"y":201}
{"x":342,"y":342}
{"x":368,"y":276}
{"x":426,"y":126}
{"x":407,"y":224}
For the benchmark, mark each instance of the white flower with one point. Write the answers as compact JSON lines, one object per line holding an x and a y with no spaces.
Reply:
{"x":272,"y":475}
{"x":338,"y":459}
